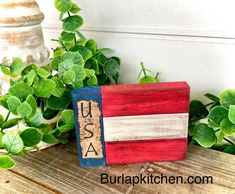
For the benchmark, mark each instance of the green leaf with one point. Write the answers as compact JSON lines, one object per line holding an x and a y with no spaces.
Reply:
{"x":67,"y":37}
{"x":3,"y":101}
{"x":60,"y":103}
{"x":44,"y":88}
{"x":49,"y":138}
{"x":93,"y":64}
{"x":60,"y":88}
{"x":1,"y":144}
{"x":220,"y":137}
{"x":147,"y":79}
{"x":74,"y":9}
{"x":1,"y":120}
{"x":64,"y":66}
{"x":90,"y":72}
{"x":50,"y":114}
{"x":36,"y":121}
{"x":92,"y":81}
{"x":217,"y":114}
{"x":227,"y":127}
{"x":42,"y":72}
{"x":55,"y":63}
{"x":111,"y":67}
{"x":24,"y":109}
{"x":69,"y":77}
{"x":6,"y":162}
{"x":91,"y":45}
{"x":197,"y":110}
{"x":17,"y":67}
{"x":212,"y":124}
{"x":5,"y":70}
{"x":231,"y":113}
{"x":10,"y":123}
{"x":80,"y":72}
{"x":72,"y":23}
{"x":191,"y":129}
{"x":227,"y":98}
{"x":12,"y":142}
{"x":29,"y":78}
{"x":204,"y":135}
{"x":20,"y":90}
{"x":67,"y":121}
{"x":212,"y":97}
{"x":230,"y":149}
{"x":13,"y":103}
{"x":63,"y":5}
{"x":86,"y":53}
{"x":77,"y":84}
{"x":31,"y":137}
{"x":75,"y":57}
{"x":32,"y":102}
{"x":61,"y":16}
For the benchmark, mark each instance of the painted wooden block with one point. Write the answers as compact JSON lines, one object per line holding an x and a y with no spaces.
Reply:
{"x":131,"y":123}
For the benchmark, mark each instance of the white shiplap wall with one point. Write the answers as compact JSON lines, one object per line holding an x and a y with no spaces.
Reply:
{"x":192,"y":40}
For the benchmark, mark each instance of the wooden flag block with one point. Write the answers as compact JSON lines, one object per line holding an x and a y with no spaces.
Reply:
{"x":131,"y":123}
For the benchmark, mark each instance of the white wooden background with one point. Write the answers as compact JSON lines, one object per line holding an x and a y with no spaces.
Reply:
{"x":192,"y":40}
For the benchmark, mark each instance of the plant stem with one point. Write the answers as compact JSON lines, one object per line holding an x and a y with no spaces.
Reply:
{"x":7,"y":117}
{"x":209,"y":104}
{"x":229,"y":141}
{"x":42,"y":105}
{"x":143,"y":68}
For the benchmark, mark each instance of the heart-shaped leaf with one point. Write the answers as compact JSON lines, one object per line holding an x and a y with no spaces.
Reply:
{"x":204,"y":135}
{"x":31,"y":137}
{"x":72,"y":23}
{"x":20,"y":90}
{"x":13,"y":103}
{"x":227,"y":98}
{"x":12,"y":142}
{"x":44,"y":88}
{"x":63,"y":5}
{"x":6,"y":162}
{"x":217,"y":114}
{"x":231,"y":113}
{"x":227,"y":127}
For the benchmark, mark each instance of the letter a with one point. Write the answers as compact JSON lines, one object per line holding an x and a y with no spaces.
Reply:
{"x":92,"y":150}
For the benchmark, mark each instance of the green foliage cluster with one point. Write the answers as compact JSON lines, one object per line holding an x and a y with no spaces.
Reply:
{"x":39,"y":98}
{"x":213,"y":124}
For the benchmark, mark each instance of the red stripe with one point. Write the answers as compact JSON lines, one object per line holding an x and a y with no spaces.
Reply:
{"x":145,"y":151}
{"x":136,"y":99}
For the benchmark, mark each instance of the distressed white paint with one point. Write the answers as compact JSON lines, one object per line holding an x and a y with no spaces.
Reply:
{"x":184,"y":40}
{"x":145,"y":127}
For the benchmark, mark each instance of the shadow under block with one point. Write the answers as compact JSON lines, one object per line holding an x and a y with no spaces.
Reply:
{"x":131,"y":123}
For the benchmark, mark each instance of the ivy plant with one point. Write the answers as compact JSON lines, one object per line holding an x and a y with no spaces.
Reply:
{"x":39,"y":98}
{"x":213,"y":125}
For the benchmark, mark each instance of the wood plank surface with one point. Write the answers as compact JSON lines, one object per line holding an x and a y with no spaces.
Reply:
{"x":145,"y":127}
{"x":144,"y":99}
{"x":57,"y":170}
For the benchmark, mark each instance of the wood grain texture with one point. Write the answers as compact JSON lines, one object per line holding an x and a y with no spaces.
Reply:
{"x":142,"y":99}
{"x":58,"y":170}
{"x":145,"y":151}
{"x":145,"y":127}
{"x":12,"y":183}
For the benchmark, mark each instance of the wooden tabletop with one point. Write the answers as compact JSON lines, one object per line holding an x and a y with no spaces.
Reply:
{"x":56,"y":170}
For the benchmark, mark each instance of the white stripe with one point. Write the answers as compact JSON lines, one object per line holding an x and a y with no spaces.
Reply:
{"x":145,"y":127}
